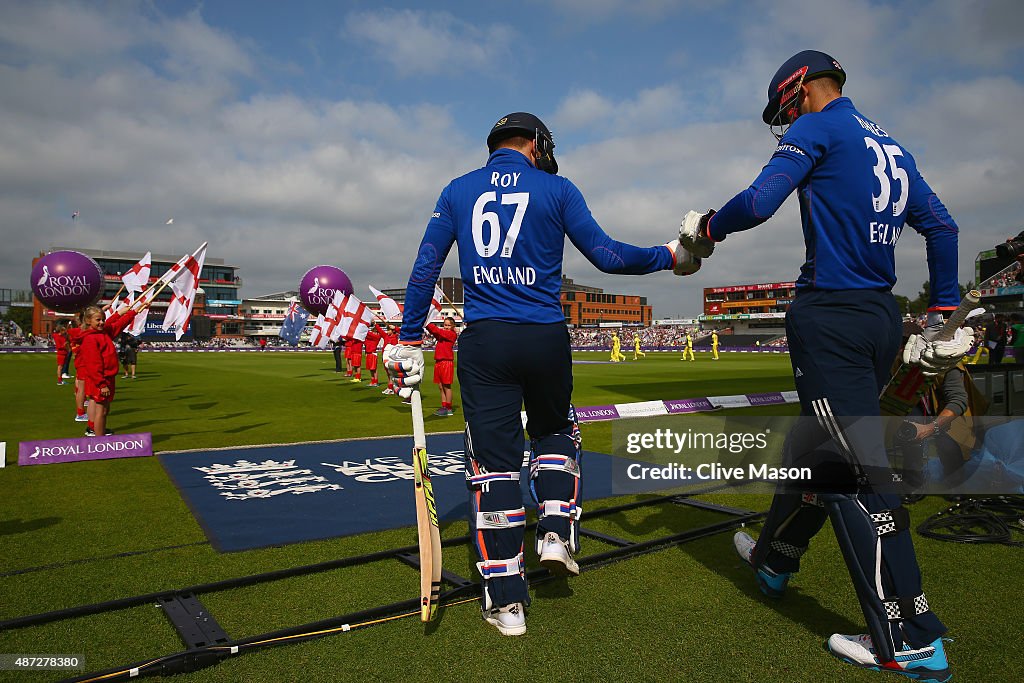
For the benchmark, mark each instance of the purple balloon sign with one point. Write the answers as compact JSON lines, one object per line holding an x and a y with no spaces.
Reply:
{"x":317,"y":287}
{"x":67,"y":281}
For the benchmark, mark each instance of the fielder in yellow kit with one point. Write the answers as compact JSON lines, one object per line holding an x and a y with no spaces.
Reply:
{"x":617,"y":354}
{"x":636,"y":348}
{"x":688,"y":351}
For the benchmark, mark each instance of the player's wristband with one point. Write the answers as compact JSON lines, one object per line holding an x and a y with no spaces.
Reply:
{"x":707,"y":227}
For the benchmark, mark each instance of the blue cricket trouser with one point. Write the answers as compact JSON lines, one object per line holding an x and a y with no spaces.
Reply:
{"x":842,"y":346}
{"x":502,"y":368}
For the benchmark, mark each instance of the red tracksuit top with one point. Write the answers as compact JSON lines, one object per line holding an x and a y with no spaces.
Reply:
{"x":445,"y":349}
{"x":388,"y":338}
{"x":372,"y":340}
{"x":97,"y":359}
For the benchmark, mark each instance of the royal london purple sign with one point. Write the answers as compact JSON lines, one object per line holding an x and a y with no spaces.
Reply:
{"x":85,"y":448}
{"x":66,"y":281}
{"x":318,"y":285}
{"x":688,"y":405}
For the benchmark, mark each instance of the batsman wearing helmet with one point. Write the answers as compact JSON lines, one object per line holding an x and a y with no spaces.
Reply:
{"x":510,"y":220}
{"x":857,"y":188}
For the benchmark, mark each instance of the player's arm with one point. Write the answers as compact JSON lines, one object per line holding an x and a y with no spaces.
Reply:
{"x":927,"y":214}
{"x":783,"y":173}
{"x":793,"y":160}
{"x":437,"y":242}
{"x":607,"y":254}
{"x":404,"y":361}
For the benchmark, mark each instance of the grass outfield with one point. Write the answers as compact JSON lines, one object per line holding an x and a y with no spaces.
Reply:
{"x":689,"y":613}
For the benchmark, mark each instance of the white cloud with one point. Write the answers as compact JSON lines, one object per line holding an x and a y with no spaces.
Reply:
{"x":651,"y":108}
{"x":421,"y":42}
{"x":587,"y":11}
{"x":65,"y":32}
{"x":277,"y":182}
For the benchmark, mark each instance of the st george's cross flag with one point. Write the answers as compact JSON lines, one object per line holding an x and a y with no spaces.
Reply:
{"x":184,"y":288}
{"x":137,"y":279}
{"x":356,"y":318}
{"x":389,"y":308}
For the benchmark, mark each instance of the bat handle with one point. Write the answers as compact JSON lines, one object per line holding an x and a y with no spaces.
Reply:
{"x":419,"y":434}
{"x":967,"y":304}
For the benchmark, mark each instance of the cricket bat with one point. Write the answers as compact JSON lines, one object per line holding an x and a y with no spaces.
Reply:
{"x":907,"y":386}
{"x":426,"y":517}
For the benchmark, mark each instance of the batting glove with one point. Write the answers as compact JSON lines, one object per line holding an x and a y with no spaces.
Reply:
{"x":683,"y":262}
{"x":404,"y":365}
{"x":693,"y":233}
{"x":946,"y":354}
{"x":937,"y":357}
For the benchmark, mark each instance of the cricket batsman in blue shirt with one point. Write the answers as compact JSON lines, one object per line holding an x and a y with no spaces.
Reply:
{"x":858,"y":187}
{"x":510,"y":220}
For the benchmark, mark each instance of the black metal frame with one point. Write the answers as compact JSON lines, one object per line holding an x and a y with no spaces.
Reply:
{"x":1007,"y":370}
{"x":207,"y":643}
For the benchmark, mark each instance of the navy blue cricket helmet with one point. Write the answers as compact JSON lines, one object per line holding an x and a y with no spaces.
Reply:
{"x":528,"y":126}
{"x":784,"y":89}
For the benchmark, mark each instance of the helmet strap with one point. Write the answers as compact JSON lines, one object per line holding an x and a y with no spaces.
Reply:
{"x":545,"y":152}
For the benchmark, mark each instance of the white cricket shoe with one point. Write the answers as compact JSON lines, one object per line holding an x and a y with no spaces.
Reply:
{"x":772,"y":583}
{"x":510,"y":620}
{"x":927,"y":664}
{"x":556,"y":557}
{"x":744,"y":544}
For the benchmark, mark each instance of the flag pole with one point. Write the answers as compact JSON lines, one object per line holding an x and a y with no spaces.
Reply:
{"x":108,"y":306}
{"x":173,"y":272}
{"x":450,"y":302}
{"x":147,"y":299}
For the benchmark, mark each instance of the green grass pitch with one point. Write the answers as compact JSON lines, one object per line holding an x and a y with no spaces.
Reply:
{"x":70,"y":534}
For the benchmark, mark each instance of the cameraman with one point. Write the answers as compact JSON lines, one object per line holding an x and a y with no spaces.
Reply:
{"x":932,"y":417}
{"x":1016,"y":340}
{"x":995,"y":340}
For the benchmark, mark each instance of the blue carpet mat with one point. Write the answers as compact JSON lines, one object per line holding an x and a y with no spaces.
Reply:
{"x":256,"y":497}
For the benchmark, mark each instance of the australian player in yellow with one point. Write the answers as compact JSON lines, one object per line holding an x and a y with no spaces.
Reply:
{"x":688,"y":351}
{"x":636,"y":347}
{"x":617,"y":354}
{"x":714,"y":343}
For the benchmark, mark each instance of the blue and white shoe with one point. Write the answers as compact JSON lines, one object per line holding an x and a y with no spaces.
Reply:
{"x":81,"y":418}
{"x":773,"y":584}
{"x":927,"y":664}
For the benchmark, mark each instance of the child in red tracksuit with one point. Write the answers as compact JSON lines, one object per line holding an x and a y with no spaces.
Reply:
{"x":444,"y":363}
{"x":117,"y":323}
{"x":97,"y":362}
{"x":75,"y":345}
{"x":356,"y":356}
{"x":60,"y":341}
{"x":373,"y":338}
{"x":388,"y":335}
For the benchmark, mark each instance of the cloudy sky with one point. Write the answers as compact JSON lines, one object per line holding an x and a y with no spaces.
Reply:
{"x":292,"y":134}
